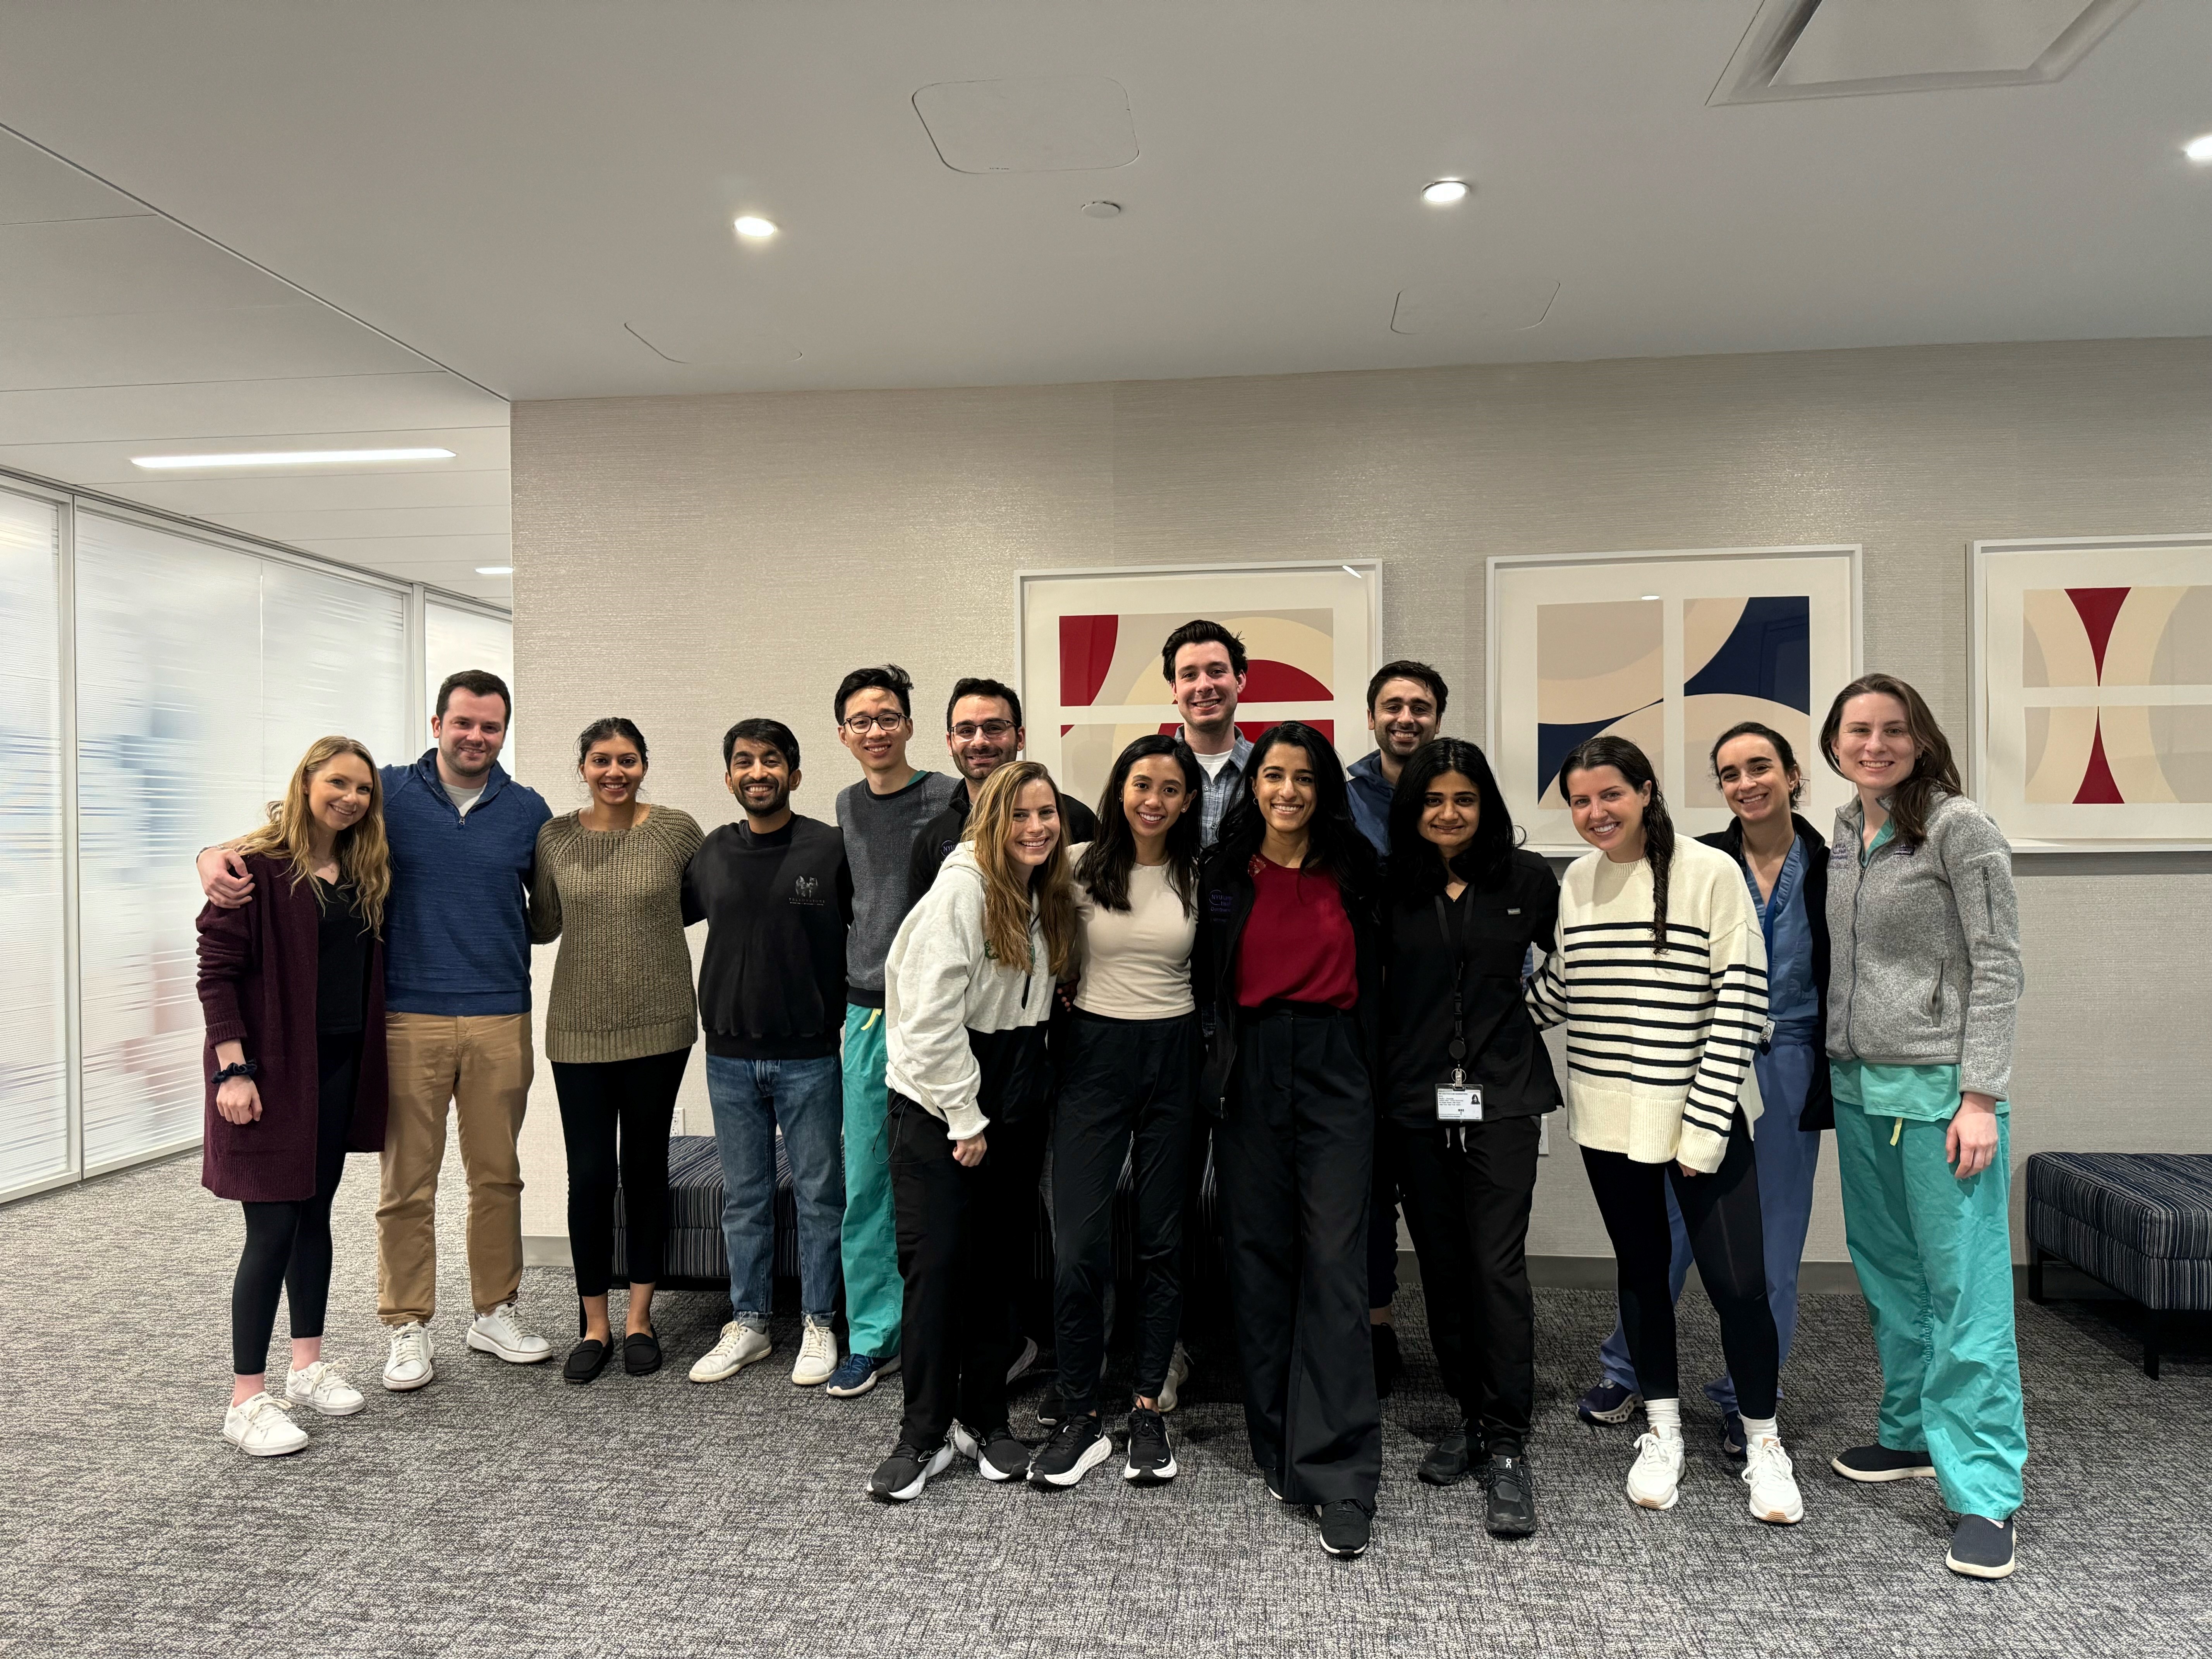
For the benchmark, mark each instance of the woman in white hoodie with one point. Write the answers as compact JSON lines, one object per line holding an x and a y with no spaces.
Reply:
{"x":968,"y":988}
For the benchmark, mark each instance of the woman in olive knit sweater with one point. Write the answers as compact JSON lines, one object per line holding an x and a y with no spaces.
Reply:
{"x":619,"y":1026}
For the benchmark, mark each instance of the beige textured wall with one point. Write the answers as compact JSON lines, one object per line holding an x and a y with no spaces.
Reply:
{"x":687,"y":560}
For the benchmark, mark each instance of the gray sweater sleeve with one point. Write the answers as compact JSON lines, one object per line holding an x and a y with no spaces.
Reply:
{"x":1978,"y":863}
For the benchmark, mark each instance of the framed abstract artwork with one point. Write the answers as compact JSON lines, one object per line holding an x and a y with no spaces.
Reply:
{"x":1089,"y":666}
{"x":1669,"y":650}
{"x":2092,"y":675}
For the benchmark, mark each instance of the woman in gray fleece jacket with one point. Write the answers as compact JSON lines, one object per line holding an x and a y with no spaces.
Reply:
{"x":1925,"y":974}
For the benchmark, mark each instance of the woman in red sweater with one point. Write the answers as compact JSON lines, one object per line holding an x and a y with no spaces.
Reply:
{"x":1290,"y":964}
{"x":293,"y":989}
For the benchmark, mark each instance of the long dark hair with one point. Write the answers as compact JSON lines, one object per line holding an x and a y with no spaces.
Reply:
{"x":1105,"y":870}
{"x":1780,"y":745}
{"x":1935,"y":774}
{"x":1415,"y":870}
{"x":1334,"y":842}
{"x":1625,"y":759}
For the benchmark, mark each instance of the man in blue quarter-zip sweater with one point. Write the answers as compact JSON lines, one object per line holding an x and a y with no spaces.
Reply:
{"x":463,"y":837}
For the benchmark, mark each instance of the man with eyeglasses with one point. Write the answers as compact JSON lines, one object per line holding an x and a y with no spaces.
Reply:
{"x":880,"y":817}
{"x":983,"y":731}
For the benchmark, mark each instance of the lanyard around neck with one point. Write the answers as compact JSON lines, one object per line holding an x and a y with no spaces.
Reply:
{"x":1457,"y":1047}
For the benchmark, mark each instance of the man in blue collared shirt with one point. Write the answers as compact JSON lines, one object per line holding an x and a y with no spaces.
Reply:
{"x":1404,"y":709}
{"x":1204,"y":666}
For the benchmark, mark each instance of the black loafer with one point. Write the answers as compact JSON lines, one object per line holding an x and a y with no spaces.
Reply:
{"x":641,"y":1353}
{"x":586,"y":1361}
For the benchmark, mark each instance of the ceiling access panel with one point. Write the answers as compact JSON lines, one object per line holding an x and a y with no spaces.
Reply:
{"x":1848,"y":48}
{"x":1029,"y":124}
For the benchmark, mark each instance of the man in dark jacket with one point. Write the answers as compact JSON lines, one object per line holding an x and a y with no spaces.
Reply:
{"x":983,"y":731}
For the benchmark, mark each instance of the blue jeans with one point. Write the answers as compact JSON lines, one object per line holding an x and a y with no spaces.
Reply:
{"x":750,"y":1098}
{"x":1786,"y":1157}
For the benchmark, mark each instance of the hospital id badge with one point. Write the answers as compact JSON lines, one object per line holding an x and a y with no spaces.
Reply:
{"x":1459,"y":1105}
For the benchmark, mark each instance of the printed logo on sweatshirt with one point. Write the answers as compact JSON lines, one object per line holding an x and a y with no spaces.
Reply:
{"x":1223,"y":903}
{"x":806,"y":890}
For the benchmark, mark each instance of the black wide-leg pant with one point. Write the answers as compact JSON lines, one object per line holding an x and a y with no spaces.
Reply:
{"x":1130,"y":1094}
{"x":1295,"y":1155}
{"x":1721,"y":1214}
{"x":1468,"y":1189}
{"x":963,"y":1237}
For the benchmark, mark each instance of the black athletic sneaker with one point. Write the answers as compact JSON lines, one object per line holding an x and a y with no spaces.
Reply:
{"x":907,"y":1471}
{"x":1450,"y":1459}
{"x":1732,"y":1435}
{"x":1981,"y":1547}
{"x":1509,"y":1509}
{"x":1076,"y":1446}
{"x":1879,"y":1462}
{"x":1345,"y":1526}
{"x":1048,"y":1410}
{"x":998,"y":1455}
{"x":1151,"y":1460}
{"x":1387,"y":1363}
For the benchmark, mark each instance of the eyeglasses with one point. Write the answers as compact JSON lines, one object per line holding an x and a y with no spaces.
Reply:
{"x":971,"y":729}
{"x":860,"y":725}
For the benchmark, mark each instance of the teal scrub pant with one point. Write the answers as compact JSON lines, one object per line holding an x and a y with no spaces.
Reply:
{"x":1934,"y":1255}
{"x":869,"y":1242}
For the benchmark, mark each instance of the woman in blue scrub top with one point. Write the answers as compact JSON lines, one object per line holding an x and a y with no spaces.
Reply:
{"x":1785,"y":866}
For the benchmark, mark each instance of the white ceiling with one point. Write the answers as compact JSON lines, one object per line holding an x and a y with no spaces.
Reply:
{"x":529,"y":194}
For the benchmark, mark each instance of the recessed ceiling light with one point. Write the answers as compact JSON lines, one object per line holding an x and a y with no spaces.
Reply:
{"x":1445,"y":191}
{"x":1651,"y":596}
{"x":290,"y":458}
{"x":2199,"y":149}
{"x":752,"y":225}
{"x":495,"y":570}
{"x":1102,"y":210}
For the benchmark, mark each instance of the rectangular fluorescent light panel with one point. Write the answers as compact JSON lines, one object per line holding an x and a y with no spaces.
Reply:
{"x":289,"y":458}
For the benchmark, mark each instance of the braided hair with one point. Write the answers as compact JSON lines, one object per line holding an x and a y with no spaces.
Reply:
{"x":1625,"y":759}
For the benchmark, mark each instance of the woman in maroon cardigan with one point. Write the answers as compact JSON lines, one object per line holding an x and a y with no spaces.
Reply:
{"x":292,"y":989}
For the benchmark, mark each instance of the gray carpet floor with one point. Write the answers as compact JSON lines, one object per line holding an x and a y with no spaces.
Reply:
{"x":500,"y":1511}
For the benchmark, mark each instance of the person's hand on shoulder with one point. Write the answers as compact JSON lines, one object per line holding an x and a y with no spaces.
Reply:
{"x":224,"y":880}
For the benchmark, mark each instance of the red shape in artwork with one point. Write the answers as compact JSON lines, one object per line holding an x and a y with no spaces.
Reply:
{"x":2099,"y":788}
{"x":1252,"y":729}
{"x":2099,"y":607}
{"x":1269,"y":681}
{"x":1086,"y":652}
{"x":1065,"y":730}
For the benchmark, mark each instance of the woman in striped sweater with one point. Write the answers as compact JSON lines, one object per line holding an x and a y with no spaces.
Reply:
{"x":1660,"y":973}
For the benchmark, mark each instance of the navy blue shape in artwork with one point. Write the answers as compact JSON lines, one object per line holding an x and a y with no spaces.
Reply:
{"x":1555,"y":743}
{"x":1769,"y":655}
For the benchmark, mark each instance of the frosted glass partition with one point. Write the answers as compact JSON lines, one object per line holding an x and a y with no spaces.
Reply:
{"x":455,"y":638}
{"x":34,"y":1130}
{"x":203,"y":673}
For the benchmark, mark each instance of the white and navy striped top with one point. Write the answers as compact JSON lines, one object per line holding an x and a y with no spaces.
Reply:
{"x":1659,"y":1043}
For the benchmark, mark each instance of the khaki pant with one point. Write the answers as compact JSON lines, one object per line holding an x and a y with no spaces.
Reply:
{"x":481,"y":1064}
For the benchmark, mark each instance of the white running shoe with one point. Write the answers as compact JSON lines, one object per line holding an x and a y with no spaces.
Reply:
{"x":262,"y":1427}
{"x":500,"y":1332}
{"x":818,"y":1354}
{"x":741,"y":1346}
{"x":1178,"y":1374}
{"x":1773,"y":1485}
{"x":409,"y":1365}
{"x":319,"y":1386}
{"x":1657,"y":1475}
{"x":1024,"y":1362}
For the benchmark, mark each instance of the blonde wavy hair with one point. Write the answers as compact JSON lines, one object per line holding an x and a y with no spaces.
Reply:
{"x":1008,"y":887}
{"x":364,"y":856}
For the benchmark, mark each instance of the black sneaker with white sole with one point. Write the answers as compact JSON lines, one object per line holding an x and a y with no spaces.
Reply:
{"x":1048,"y":1411}
{"x":1980,"y":1547}
{"x":997,"y":1455}
{"x":1151,"y":1459}
{"x":903,"y":1474}
{"x":1509,"y":1504}
{"x":1078,"y":1446}
{"x":1879,"y":1462}
{"x":1345,"y":1526}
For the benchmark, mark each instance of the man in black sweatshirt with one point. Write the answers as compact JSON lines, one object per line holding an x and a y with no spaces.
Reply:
{"x":776,"y":895}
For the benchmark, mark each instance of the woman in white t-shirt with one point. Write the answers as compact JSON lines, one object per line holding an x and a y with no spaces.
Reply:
{"x":1130,"y":1073}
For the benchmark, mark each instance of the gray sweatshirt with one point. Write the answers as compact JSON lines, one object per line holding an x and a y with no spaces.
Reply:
{"x":1925,"y":947}
{"x":939,"y":984}
{"x":879,"y":832}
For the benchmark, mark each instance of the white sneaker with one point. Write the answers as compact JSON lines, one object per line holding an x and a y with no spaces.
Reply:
{"x":1657,"y":1475}
{"x":741,"y":1346}
{"x":1178,"y":1374}
{"x":319,"y":1386}
{"x":1773,"y":1484}
{"x":262,"y":1427}
{"x":409,"y":1365}
{"x":1024,"y":1362}
{"x":818,"y":1354}
{"x":500,"y":1332}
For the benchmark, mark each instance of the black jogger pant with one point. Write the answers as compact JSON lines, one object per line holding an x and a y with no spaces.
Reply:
{"x":288,"y":1245}
{"x":1721,"y":1214}
{"x":1127,"y":1083}
{"x":615,"y":1115}
{"x":1468,"y":1189}
{"x":1294,"y":1158}
{"x":958,"y":1230}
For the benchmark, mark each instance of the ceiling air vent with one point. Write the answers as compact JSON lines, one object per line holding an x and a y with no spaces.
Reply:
{"x":1841,"y":48}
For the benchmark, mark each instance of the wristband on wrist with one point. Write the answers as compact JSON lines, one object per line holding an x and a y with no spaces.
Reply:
{"x":244,"y":1068}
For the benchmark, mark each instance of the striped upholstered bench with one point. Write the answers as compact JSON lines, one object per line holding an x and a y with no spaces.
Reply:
{"x":2138,"y":1222}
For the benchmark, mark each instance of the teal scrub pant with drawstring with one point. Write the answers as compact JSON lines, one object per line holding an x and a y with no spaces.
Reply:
{"x":1934,"y":1255}
{"x":868,"y":1241}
